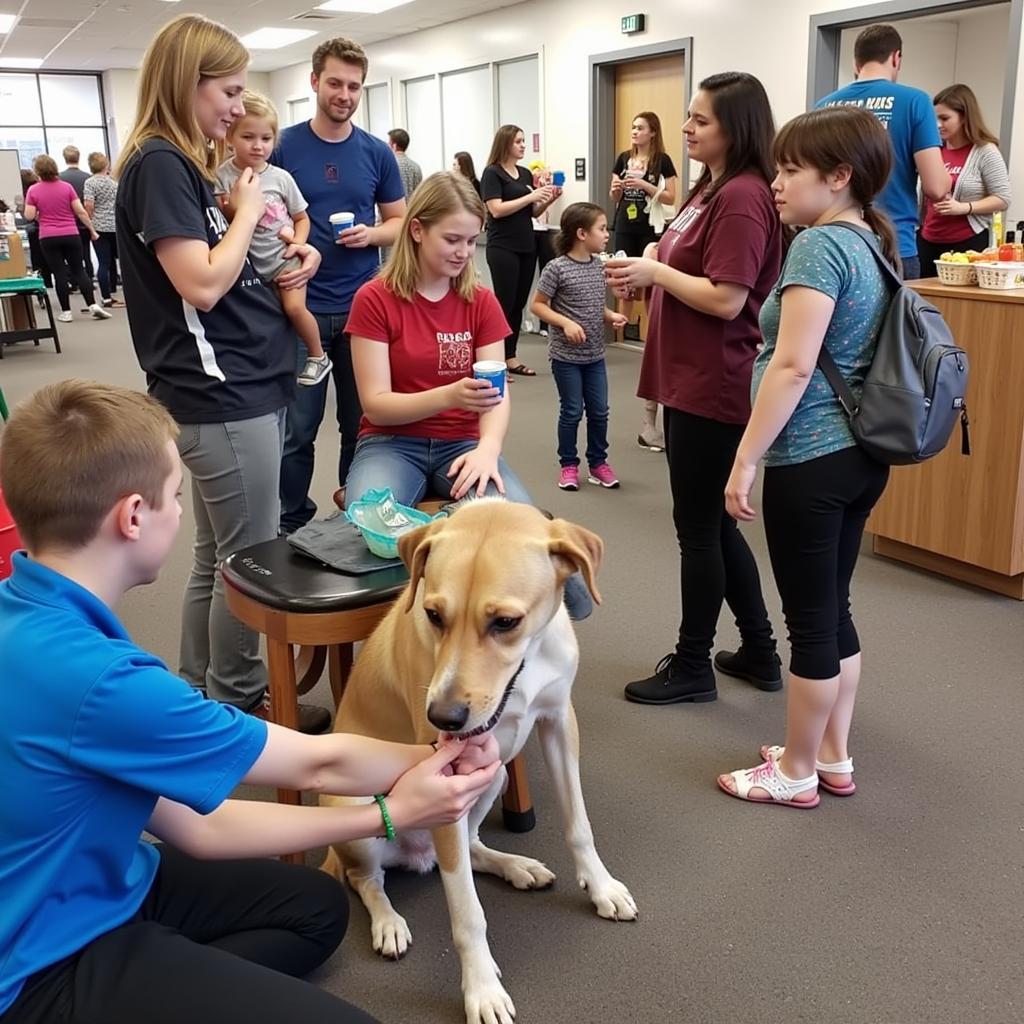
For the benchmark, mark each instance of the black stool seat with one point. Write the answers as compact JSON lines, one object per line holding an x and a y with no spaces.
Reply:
{"x":277,"y":576}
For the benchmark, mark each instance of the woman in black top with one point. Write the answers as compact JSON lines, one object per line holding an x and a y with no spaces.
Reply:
{"x":635,"y":178}
{"x":216,"y":347}
{"x":512,"y":203}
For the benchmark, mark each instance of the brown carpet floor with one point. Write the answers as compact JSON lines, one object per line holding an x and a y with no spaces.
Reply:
{"x":902,"y":905}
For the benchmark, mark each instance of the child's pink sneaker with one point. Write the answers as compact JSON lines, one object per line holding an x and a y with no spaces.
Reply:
{"x":603,"y":476}
{"x":569,"y":479}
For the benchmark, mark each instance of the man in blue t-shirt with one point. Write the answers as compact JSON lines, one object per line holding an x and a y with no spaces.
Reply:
{"x":99,"y":742}
{"x":339,"y":169}
{"x":908,"y":115}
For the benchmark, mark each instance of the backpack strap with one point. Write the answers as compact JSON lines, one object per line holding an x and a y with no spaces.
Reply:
{"x":826,"y":363}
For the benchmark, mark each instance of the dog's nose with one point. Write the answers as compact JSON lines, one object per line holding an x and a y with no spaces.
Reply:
{"x":448,"y":717}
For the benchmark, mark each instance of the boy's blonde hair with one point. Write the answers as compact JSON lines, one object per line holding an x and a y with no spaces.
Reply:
{"x":257,"y":105}
{"x":438,"y":196}
{"x":72,"y":450}
{"x":184,"y":52}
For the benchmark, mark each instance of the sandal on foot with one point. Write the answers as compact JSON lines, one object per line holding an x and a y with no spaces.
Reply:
{"x":522,"y":370}
{"x":773,"y":753}
{"x":781,"y":789}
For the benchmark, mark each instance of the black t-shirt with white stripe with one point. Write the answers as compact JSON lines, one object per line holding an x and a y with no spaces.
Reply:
{"x":235,"y":362}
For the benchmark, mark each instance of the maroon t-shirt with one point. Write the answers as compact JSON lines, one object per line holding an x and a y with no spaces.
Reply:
{"x":698,"y":363}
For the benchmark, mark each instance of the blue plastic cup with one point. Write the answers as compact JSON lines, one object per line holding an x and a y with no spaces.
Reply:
{"x":341,"y":222}
{"x":492,"y":371}
{"x":558,"y":179}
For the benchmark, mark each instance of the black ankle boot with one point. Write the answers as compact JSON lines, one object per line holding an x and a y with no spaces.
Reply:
{"x":673,"y":685}
{"x":764,"y":672}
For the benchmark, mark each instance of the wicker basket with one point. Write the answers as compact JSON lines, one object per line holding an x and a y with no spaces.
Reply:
{"x":956,"y":273}
{"x":1000,"y":276}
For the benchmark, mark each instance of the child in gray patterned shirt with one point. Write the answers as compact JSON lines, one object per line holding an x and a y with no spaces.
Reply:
{"x":284,"y":222}
{"x":570,"y":297}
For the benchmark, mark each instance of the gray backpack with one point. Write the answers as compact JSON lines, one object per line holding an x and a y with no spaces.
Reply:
{"x":914,"y":391}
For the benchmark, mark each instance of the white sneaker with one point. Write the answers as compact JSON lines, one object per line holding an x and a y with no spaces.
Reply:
{"x":65,"y":317}
{"x":98,"y":312}
{"x":315,"y":370}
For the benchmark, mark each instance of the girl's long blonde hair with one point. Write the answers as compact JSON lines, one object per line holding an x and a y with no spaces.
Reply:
{"x":184,"y":52}
{"x":438,"y":196}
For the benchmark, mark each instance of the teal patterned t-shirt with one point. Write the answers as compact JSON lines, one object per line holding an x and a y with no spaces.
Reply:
{"x":836,"y":262}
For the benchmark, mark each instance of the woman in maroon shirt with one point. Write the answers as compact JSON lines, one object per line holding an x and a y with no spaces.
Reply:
{"x":709,"y":274}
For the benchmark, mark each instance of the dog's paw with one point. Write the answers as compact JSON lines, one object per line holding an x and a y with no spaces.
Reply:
{"x":527,"y":873}
{"x":520,"y":872}
{"x":391,"y":936}
{"x":611,"y":899}
{"x":489,"y":1004}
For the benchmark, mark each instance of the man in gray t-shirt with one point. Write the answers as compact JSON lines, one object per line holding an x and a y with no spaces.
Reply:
{"x":283,"y":202}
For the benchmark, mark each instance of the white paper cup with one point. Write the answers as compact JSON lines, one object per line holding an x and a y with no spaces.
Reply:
{"x":341,"y":222}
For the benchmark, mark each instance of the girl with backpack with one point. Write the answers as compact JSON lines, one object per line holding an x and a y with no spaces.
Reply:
{"x":819,"y":485}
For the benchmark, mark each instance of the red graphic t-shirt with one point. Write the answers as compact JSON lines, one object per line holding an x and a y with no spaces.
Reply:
{"x":430,"y":344}
{"x":936,"y":227}
{"x":693,"y":361}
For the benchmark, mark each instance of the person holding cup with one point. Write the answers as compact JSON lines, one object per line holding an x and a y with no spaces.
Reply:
{"x":512,"y":203}
{"x":434,"y":419}
{"x":347,"y":176}
{"x":643,"y":183}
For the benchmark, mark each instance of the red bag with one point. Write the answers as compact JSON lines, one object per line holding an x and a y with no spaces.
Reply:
{"x":9,"y":539}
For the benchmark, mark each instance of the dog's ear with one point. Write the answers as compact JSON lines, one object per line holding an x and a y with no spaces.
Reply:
{"x":413,"y":548}
{"x":574,"y":549}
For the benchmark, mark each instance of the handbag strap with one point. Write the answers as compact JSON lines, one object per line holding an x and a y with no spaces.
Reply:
{"x":826,"y":363}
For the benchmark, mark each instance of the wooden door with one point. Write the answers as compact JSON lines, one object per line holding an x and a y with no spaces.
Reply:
{"x":657,"y":84}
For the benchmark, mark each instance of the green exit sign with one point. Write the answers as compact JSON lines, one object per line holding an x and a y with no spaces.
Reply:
{"x":633,"y":23}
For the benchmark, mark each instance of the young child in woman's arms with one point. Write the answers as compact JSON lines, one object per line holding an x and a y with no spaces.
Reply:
{"x":570,"y":298}
{"x":283,"y":225}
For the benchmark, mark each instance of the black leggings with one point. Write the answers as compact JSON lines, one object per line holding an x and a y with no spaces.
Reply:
{"x":64,"y":255}
{"x":931,"y":251}
{"x":106,"y":254}
{"x":213,"y":941}
{"x":511,"y":278}
{"x":717,"y":564}
{"x":814,"y":516}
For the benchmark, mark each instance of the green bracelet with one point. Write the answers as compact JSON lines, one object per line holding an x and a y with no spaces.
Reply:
{"x":389,"y":829}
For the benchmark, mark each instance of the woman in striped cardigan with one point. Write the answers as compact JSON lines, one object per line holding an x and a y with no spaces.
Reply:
{"x":981,"y":185}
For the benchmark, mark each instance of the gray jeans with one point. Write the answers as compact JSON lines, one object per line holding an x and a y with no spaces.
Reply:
{"x":235,"y":469}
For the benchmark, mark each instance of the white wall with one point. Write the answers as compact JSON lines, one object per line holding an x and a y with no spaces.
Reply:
{"x":120,"y":96}
{"x":771,"y":45}
{"x":929,"y":54}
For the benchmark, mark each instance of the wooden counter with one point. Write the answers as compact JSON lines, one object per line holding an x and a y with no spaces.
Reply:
{"x":963,"y":516}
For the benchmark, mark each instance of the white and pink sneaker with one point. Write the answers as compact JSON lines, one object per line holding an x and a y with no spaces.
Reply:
{"x":603,"y":476}
{"x":569,"y":478}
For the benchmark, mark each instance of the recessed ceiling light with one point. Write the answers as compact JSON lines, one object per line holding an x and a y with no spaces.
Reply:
{"x":361,"y":6}
{"x":274,"y":38}
{"x":7,"y":23}
{"x":21,"y":62}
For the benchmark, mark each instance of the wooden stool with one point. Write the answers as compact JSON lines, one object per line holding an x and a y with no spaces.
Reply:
{"x":292,"y":600}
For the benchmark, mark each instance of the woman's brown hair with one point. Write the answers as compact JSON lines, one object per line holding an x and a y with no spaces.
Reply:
{"x":441,"y":194}
{"x":46,"y":167}
{"x":835,"y":137}
{"x":185,"y":51}
{"x":656,"y":153}
{"x":503,"y":139}
{"x":742,"y":109}
{"x":961,"y":99}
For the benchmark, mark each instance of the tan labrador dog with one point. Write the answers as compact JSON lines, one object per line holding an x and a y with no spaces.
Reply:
{"x":480,"y":640}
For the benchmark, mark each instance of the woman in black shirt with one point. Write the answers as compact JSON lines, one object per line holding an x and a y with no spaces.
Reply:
{"x":635,"y":184}
{"x":512,"y":203}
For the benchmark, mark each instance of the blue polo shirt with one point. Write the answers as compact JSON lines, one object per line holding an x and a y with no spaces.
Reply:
{"x":354,"y":176}
{"x":93,"y":730}
{"x":909,"y":117}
